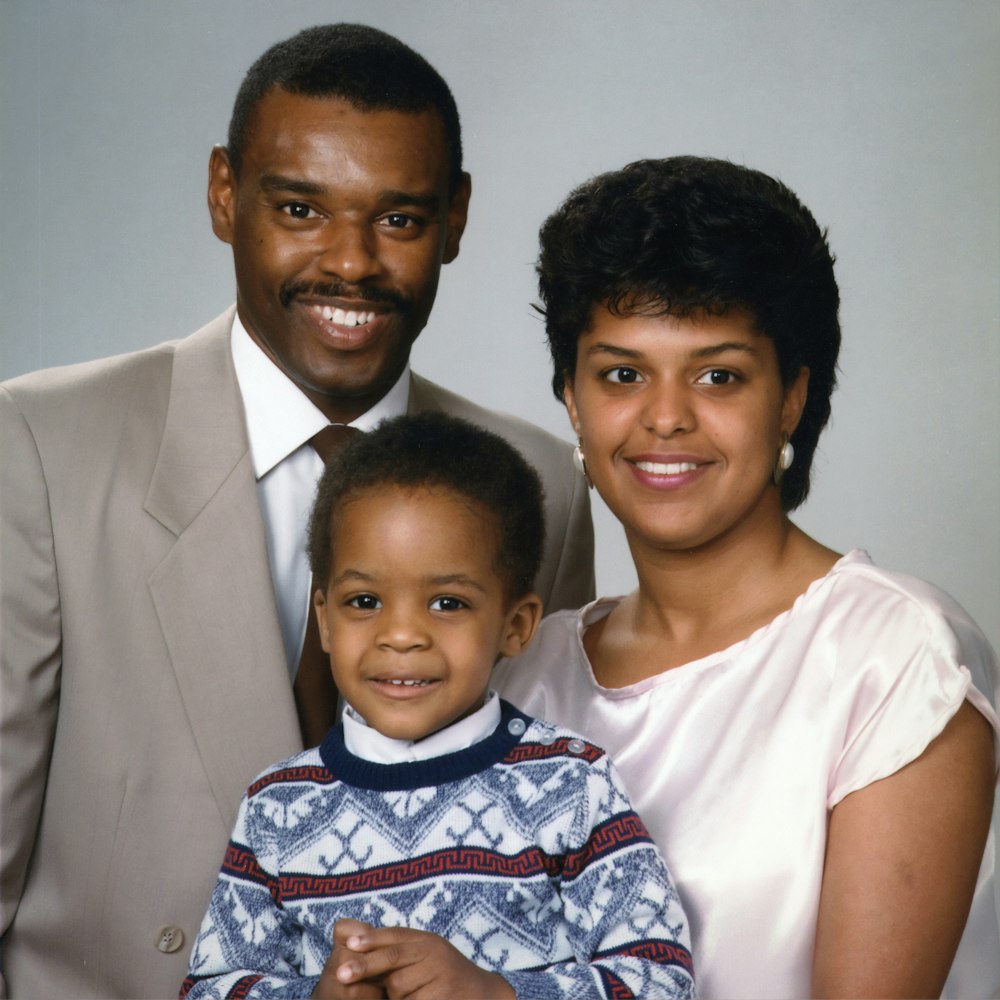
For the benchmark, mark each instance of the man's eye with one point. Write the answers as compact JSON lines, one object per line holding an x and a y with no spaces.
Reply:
{"x":399,"y":220}
{"x":298,"y":210}
{"x":365,"y":602}
{"x":622,"y":375}
{"x":447,"y":604}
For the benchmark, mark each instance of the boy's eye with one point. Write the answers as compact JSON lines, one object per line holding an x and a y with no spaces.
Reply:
{"x":447,"y":604}
{"x":717,"y":376}
{"x":365,"y":602}
{"x":623,"y":375}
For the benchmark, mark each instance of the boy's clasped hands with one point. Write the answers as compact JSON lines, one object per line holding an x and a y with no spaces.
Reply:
{"x":368,"y":963}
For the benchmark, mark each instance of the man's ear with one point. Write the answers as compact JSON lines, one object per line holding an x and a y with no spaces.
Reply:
{"x":221,"y":194}
{"x":319,"y":609}
{"x":522,"y":621}
{"x":458,"y":215}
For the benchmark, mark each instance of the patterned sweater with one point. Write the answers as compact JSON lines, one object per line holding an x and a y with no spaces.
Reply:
{"x":522,"y":850}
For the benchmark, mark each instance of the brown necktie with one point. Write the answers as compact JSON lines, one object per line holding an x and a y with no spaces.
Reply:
{"x":315,"y":692}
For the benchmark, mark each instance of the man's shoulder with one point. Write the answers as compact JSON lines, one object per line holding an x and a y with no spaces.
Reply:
{"x":109,"y":381}
{"x":537,"y":444}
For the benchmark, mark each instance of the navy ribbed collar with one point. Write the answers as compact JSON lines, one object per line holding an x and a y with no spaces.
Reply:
{"x":360,"y":773}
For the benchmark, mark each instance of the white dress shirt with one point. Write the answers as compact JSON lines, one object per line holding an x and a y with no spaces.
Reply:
{"x":280,"y":420}
{"x":369,"y":744}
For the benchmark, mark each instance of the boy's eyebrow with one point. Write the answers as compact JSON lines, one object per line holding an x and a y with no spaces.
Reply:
{"x":443,"y":581}
{"x":352,"y":574}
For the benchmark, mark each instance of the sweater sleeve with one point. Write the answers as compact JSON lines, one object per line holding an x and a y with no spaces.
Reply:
{"x":247,"y":945}
{"x":627,"y":927}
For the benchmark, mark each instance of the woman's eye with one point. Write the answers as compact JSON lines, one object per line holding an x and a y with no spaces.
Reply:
{"x":365,"y":602}
{"x":622,"y":375}
{"x":298,"y":210}
{"x":717,"y":376}
{"x":447,"y":604}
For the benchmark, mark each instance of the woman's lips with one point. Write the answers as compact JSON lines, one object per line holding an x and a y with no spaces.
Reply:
{"x":667,"y":471}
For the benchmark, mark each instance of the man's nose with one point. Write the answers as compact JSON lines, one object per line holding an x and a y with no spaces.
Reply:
{"x":351,"y":252}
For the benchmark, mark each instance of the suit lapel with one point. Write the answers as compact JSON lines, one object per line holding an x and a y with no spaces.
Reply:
{"x":212,"y":592}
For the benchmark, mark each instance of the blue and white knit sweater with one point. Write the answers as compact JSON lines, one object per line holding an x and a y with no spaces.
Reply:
{"x":522,"y":850}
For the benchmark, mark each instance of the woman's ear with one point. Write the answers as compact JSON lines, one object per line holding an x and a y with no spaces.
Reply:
{"x":522,"y":621}
{"x":795,"y":401}
{"x":570,"y":402}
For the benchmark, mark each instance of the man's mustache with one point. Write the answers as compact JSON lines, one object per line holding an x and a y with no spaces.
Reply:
{"x":341,"y":290}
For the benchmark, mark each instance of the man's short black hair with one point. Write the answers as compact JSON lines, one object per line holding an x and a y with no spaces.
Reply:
{"x":366,"y":67}
{"x":438,"y":452}
{"x":689,"y":235}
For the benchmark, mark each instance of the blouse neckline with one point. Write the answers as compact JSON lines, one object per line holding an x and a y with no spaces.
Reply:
{"x":685,"y":672}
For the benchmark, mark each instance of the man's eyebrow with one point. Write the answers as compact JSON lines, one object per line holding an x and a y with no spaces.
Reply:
{"x":291,"y":185}
{"x":283,"y":184}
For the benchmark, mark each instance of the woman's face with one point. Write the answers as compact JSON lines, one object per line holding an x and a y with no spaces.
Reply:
{"x":681,"y":421}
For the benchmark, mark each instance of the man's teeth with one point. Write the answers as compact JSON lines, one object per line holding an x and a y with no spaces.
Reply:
{"x":400,"y":683}
{"x":666,"y":468}
{"x":344,"y":317}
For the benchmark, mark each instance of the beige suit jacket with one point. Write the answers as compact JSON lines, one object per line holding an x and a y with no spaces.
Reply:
{"x":143,"y":676}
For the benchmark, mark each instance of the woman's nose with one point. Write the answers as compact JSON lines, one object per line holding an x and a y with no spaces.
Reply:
{"x":667,"y":409}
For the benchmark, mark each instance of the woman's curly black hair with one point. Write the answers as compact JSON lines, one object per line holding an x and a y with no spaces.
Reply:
{"x":690,"y":235}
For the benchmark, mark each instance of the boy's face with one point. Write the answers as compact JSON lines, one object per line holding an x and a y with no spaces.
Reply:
{"x":414,"y":614}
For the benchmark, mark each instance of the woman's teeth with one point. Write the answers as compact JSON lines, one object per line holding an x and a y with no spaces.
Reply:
{"x":666,"y":468}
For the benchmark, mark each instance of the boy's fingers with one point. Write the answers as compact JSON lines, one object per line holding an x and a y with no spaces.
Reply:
{"x":345,"y":929}
{"x":384,"y":951}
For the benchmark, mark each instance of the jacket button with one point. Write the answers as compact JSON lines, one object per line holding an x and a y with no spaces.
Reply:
{"x":169,"y":939}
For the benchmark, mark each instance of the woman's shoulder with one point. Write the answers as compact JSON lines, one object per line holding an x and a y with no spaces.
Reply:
{"x":876,"y":605}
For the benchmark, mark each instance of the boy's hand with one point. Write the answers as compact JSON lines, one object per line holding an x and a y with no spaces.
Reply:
{"x":329,"y":986}
{"x":413,"y":964}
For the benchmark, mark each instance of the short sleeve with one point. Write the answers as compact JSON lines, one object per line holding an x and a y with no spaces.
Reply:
{"x":900,"y":678}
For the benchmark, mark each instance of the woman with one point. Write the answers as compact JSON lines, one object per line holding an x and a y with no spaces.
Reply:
{"x":799,"y":729}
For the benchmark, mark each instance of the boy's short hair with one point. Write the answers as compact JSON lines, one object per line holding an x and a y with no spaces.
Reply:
{"x":371,"y":70}
{"x":438,"y":451}
{"x":689,"y":235}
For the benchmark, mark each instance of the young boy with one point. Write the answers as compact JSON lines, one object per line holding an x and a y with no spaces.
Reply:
{"x":439,"y":843}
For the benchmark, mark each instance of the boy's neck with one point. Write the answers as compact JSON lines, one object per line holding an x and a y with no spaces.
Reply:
{"x":366,"y":742}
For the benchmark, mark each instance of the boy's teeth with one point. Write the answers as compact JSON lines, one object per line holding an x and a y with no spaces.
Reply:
{"x":666,"y":468}
{"x":344,"y":317}
{"x":401,"y":683}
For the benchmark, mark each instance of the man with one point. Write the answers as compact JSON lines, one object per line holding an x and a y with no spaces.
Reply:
{"x":153,"y":509}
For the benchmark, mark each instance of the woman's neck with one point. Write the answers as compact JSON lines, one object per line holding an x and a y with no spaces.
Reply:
{"x":695,"y":602}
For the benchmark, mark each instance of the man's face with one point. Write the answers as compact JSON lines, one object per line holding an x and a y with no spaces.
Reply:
{"x":339,"y":221}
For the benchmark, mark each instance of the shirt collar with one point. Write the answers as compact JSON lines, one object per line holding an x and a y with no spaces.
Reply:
{"x":369,"y":744}
{"x":280,"y":417}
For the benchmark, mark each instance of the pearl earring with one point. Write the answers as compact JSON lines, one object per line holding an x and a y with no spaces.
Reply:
{"x":786,"y":455}
{"x":581,"y":465}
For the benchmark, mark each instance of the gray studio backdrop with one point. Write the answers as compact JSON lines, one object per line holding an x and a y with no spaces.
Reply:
{"x":882,"y":115}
